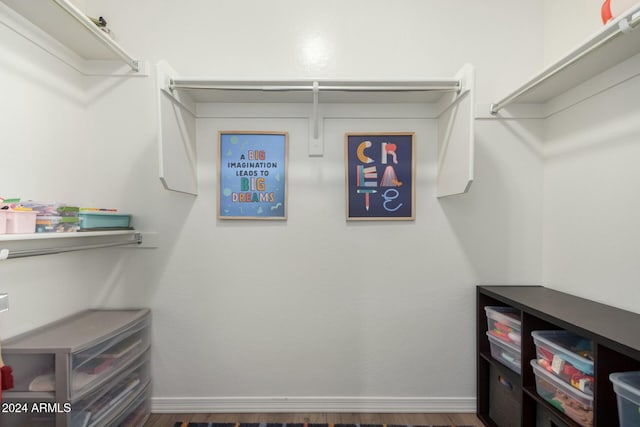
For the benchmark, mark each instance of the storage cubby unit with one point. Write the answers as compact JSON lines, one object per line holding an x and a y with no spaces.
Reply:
{"x":509,"y":399}
{"x":93,"y":369}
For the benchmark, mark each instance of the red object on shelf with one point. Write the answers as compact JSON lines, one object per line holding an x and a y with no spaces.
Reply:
{"x":613,"y":8}
{"x":605,"y":11}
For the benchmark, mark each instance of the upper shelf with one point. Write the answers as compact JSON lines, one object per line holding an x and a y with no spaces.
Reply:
{"x":69,"y":26}
{"x":32,"y":244}
{"x":614,"y":43}
{"x":178,"y":98}
{"x":329,"y":91}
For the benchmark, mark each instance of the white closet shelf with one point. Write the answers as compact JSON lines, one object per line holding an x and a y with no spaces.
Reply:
{"x":33,"y":244}
{"x":451,"y":97}
{"x":302,"y":91}
{"x":614,"y":43}
{"x":73,"y":30}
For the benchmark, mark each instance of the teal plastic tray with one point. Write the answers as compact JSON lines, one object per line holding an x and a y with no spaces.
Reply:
{"x":103,"y":220}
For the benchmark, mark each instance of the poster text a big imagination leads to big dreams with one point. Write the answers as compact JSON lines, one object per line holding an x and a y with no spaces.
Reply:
{"x":253,"y":168}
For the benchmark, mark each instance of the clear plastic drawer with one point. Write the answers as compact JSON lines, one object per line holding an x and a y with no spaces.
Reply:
{"x":108,"y":402}
{"x":92,"y":366}
{"x":137,"y":413}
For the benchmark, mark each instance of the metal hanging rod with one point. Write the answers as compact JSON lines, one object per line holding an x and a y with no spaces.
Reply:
{"x":50,"y":251}
{"x":621,"y":26}
{"x":444,"y":85}
{"x":78,"y":15}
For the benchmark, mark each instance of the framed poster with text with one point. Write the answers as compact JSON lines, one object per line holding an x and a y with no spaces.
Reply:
{"x":380,"y":176}
{"x":252,"y":180}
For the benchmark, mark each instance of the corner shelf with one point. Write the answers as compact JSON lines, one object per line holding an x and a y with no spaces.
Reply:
{"x":67,"y":33}
{"x":614,"y":43}
{"x":34,"y":244}
{"x":453,"y":99}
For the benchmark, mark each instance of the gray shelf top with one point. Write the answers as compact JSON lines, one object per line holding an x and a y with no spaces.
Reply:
{"x":76,"y":332}
{"x":611,"y":325}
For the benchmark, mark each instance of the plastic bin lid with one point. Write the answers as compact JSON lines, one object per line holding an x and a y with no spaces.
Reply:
{"x":503,"y":344}
{"x":627,"y":384}
{"x":501,"y":309}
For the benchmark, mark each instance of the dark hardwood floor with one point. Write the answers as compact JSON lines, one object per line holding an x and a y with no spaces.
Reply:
{"x":169,"y":420}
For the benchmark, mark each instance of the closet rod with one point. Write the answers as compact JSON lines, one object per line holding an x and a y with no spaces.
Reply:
{"x":621,"y":26}
{"x":79,"y":16}
{"x":50,"y":251}
{"x":436,"y":85}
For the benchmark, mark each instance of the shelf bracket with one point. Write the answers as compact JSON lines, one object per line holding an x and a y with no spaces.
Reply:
{"x":316,"y":147}
{"x":625,"y":26}
{"x":316,"y":91}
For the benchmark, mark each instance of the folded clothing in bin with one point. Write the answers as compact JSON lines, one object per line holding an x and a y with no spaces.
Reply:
{"x":567,"y":356}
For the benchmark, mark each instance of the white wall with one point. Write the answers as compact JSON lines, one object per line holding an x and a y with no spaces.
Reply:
{"x":280,"y":309}
{"x":46,"y":144}
{"x":592,"y":196}
{"x":568,"y":23}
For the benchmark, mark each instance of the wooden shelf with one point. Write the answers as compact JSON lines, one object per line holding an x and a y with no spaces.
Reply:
{"x":614,"y":43}
{"x":88,"y":49}
{"x":566,"y":311}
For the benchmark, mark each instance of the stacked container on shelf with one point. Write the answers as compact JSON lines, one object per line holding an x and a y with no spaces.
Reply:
{"x":627,"y":388}
{"x":19,"y":221}
{"x":503,"y":331}
{"x":564,"y":373}
{"x":55,"y":217}
{"x":16,"y":218}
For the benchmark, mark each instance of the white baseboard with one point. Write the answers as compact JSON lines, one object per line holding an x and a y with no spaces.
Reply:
{"x":313,"y":404}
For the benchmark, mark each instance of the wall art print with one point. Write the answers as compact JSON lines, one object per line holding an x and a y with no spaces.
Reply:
{"x":252,"y":180}
{"x":380,"y":176}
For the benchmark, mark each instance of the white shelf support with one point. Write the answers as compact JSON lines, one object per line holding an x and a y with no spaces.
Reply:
{"x":316,"y":92}
{"x":456,"y":140}
{"x":177,"y":167}
{"x":316,"y":145}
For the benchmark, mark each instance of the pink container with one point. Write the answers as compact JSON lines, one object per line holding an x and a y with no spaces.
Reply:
{"x":19,"y":222}
{"x":3,"y":221}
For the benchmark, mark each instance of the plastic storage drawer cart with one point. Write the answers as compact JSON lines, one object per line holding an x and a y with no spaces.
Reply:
{"x":95,"y":366}
{"x":627,"y":388}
